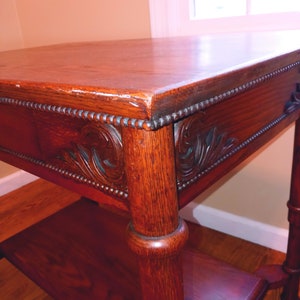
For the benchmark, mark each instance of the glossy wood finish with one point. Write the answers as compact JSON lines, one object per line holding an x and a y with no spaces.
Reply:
{"x":143,"y":79}
{"x":292,"y":263}
{"x":143,"y":126}
{"x":15,"y":285}
{"x":260,"y":114}
{"x":154,"y":230}
{"x":239,"y":253}
{"x":61,"y":249}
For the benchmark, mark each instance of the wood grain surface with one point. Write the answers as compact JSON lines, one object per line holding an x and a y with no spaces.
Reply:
{"x":143,"y":78}
{"x":38,"y":200}
{"x":239,"y":253}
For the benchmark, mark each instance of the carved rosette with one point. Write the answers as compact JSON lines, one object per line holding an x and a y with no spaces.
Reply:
{"x":99,"y":156}
{"x":198,"y":149}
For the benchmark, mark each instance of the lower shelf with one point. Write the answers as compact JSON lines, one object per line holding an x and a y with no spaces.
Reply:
{"x":81,"y":253}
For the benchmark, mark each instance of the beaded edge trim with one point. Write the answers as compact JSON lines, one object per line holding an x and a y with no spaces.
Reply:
{"x":123,"y":194}
{"x":140,"y":123}
{"x":68,"y":174}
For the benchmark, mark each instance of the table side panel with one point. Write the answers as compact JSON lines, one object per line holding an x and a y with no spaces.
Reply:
{"x":18,"y":131}
{"x":79,"y":154}
{"x":87,"y":156}
{"x":213,"y":141}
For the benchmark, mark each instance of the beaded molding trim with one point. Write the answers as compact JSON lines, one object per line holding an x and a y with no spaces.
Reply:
{"x":68,"y":174}
{"x":183,"y":185}
{"x":124,"y":194}
{"x":79,"y":113}
{"x":145,"y":124}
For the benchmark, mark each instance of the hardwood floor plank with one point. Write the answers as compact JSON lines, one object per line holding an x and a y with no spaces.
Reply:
{"x":14,"y":285}
{"x":30,"y":204}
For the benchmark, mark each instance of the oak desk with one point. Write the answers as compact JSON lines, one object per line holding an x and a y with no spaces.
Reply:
{"x":144,"y":126}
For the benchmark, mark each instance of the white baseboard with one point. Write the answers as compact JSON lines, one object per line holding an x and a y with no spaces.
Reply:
{"x":238,"y":226}
{"x":15,"y":181}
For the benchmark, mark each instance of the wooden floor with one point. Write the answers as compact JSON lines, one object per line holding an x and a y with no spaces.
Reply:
{"x":240,"y":253}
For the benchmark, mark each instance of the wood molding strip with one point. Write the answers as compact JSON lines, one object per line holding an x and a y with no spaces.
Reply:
{"x":146,"y":124}
{"x":66,"y":173}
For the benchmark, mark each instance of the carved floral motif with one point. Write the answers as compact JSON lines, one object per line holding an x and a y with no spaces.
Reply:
{"x":99,"y":156}
{"x":198,"y":149}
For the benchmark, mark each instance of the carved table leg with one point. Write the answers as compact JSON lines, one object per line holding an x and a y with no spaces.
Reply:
{"x":155,"y":234}
{"x":292,"y":263}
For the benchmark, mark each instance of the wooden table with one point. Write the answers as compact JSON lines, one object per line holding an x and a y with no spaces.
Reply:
{"x":144,"y":126}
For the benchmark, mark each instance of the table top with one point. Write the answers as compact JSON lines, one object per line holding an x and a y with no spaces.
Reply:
{"x":226,"y":95}
{"x":70,"y":114}
{"x":147,"y":78}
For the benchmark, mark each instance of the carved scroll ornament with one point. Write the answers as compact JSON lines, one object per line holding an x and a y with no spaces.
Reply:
{"x":99,"y":156}
{"x":294,"y":101}
{"x":197,"y":149}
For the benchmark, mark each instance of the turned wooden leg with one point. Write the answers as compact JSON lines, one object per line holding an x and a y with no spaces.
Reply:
{"x":155,"y":234}
{"x":292,"y":263}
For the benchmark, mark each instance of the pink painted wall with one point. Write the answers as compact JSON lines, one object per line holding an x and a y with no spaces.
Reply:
{"x":57,"y":21}
{"x":10,"y":30}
